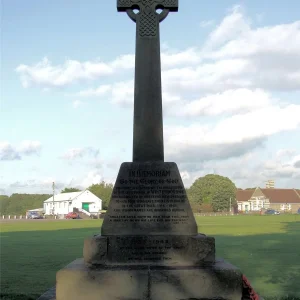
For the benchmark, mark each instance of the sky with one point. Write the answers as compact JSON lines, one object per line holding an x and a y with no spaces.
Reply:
{"x":230,"y":83}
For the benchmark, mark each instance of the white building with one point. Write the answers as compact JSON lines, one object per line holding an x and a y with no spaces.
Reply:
{"x":64,"y":203}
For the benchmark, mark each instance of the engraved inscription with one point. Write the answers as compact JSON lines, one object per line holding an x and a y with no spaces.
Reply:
{"x":147,"y":196}
{"x":142,"y":249}
{"x":147,"y":248}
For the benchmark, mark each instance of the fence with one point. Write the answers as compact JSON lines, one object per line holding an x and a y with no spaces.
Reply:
{"x":17,"y":217}
{"x":212,"y":214}
{"x":14,"y":217}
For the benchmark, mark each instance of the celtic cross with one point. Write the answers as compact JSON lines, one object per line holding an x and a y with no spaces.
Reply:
{"x":148,"y":117}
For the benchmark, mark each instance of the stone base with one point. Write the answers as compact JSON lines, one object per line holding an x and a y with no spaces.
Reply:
{"x":154,"y":250}
{"x":78,"y":282}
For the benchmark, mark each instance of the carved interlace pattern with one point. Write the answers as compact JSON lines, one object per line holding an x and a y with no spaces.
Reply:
{"x":125,"y":3}
{"x":148,"y":19}
{"x":128,"y":3}
{"x":148,"y":22}
{"x":169,"y":2}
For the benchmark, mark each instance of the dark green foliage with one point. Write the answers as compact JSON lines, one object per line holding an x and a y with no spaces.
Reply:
{"x":18,"y":204}
{"x":103,"y":191}
{"x":70,"y":190}
{"x":213,"y":189}
{"x":4,"y":203}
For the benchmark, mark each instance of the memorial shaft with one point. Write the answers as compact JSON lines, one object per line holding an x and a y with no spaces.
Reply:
{"x":148,"y":142}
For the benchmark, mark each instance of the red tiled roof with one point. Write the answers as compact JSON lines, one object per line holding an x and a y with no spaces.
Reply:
{"x":298,"y":191}
{"x":243,"y":195}
{"x":281,"y":195}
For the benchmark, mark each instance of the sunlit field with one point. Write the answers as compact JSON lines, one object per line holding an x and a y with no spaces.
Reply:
{"x":265,"y":248}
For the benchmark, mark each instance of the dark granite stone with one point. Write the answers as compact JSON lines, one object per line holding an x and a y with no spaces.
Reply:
{"x":149,"y":199}
{"x":150,"y":250}
{"x":148,"y":142}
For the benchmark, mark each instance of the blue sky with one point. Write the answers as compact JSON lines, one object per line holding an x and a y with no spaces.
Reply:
{"x":231,"y":86}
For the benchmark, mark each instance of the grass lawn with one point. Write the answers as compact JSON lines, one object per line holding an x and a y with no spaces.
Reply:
{"x":265,"y":248}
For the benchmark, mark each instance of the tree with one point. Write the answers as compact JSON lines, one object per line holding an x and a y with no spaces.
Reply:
{"x":213,"y":189}
{"x":70,"y":190}
{"x":18,"y":204}
{"x":4,"y":203}
{"x":103,"y":191}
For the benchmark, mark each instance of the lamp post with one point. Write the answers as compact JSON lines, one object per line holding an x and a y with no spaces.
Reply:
{"x":53,"y":187}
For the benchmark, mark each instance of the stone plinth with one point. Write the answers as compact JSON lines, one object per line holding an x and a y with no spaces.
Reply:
{"x":154,"y":250}
{"x":77,"y":281}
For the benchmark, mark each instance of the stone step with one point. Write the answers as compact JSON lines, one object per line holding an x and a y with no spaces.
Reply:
{"x":79,"y":282}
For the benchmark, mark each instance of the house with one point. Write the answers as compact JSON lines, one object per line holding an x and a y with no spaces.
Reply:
{"x":264,"y":198}
{"x":84,"y":201}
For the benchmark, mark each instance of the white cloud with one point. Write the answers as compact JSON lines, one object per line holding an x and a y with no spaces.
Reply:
{"x":204,"y":24}
{"x":235,"y":55}
{"x":93,"y":177}
{"x":100,"y":91}
{"x":229,"y":137}
{"x":169,"y":59}
{"x":123,"y":62}
{"x":249,"y":170}
{"x":123,"y":93}
{"x":35,"y":186}
{"x":285,"y":153}
{"x":232,"y":79}
{"x":185,"y":176}
{"x":231,"y":26}
{"x":231,"y":101}
{"x":75,"y":153}
{"x":281,"y":168}
{"x":30,"y":147}
{"x":26,"y":148}
{"x":77,"y":103}
{"x":7,"y":152}
{"x":47,"y":75}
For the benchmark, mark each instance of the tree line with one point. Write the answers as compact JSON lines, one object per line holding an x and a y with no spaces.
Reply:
{"x":209,"y":193}
{"x":18,"y":204}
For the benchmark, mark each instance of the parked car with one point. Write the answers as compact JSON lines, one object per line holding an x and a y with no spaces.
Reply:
{"x":72,"y":215}
{"x":272,"y":212}
{"x":34,"y":215}
{"x":298,"y":211}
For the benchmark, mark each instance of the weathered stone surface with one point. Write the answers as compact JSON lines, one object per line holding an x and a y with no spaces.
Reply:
{"x":150,"y":250}
{"x":149,"y":199}
{"x":221,"y":280}
{"x":49,"y":295}
{"x":77,"y":281}
{"x":95,"y":250}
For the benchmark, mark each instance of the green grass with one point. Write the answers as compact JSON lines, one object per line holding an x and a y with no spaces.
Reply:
{"x":265,"y":248}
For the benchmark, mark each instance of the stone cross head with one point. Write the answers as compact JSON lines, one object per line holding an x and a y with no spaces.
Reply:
{"x":147,"y":18}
